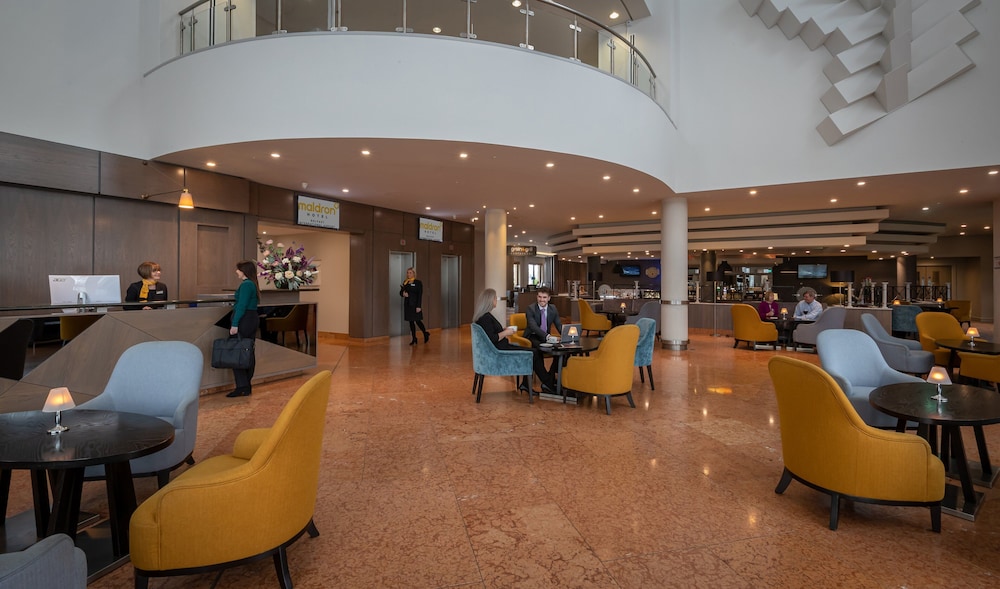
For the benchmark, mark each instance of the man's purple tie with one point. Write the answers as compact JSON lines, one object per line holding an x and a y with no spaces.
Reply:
{"x":545,"y":320}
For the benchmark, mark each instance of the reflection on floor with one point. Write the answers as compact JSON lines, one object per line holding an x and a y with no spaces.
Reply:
{"x":422,"y":487}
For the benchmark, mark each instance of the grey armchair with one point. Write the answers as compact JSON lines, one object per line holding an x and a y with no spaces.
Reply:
{"x":487,"y":360}
{"x":650,"y":310}
{"x":904,"y":355}
{"x":160,"y":379}
{"x":51,"y":563}
{"x":832,"y":318}
{"x":644,"y":349}
{"x":854,"y":361}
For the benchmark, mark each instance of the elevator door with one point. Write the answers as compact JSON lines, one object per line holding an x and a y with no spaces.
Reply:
{"x":398,"y":263}
{"x":451,"y":286}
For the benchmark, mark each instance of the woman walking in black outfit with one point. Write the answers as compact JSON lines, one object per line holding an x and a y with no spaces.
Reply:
{"x":412,"y":291}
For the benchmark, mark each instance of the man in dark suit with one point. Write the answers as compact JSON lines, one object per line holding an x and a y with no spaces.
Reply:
{"x":541,"y":317}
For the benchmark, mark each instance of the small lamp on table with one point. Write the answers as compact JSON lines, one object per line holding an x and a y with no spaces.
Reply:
{"x":58,"y":401}
{"x":939,"y":376}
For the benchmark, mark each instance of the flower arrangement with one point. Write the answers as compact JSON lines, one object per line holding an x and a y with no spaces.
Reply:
{"x":285,"y":267}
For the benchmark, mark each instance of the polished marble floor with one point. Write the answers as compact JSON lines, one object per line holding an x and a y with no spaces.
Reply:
{"x":423,"y":488}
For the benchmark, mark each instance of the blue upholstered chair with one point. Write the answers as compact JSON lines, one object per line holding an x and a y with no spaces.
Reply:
{"x":51,"y":563}
{"x":854,"y":361}
{"x":904,"y":319}
{"x":644,"y":349}
{"x":650,"y":310}
{"x":904,"y":355}
{"x":161,"y":379}
{"x":487,"y":360}
{"x":831,"y":318}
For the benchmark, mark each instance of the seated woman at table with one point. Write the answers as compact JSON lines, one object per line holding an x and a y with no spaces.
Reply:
{"x":148,"y":289}
{"x":769,"y":308}
{"x":498,"y":334}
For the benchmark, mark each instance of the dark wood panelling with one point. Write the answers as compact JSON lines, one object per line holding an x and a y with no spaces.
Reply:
{"x":360,"y":297}
{"x":218,"y":191}
{"x":129,"y":232}
{"x":356,"y":218}
{"x":276,"y":204}
{"x":42,"y":232}
{"x":128,"y":177}
{"x":388,"y":221}
{"x":34,"y":162}
{"x":211,"y":242}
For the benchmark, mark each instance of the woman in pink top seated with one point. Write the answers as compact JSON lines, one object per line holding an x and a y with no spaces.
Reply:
{"x":769,"y":307}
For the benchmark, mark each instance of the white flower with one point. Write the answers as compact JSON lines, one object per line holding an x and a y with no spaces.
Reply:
{"x":280,"y":246}
{"x":284,"y":261}
{"x":296,"y":259}
{"x":298,"y":272}
{"x":308,"y":273}
{"x":289,"y":274}
{"x":269,"y":242}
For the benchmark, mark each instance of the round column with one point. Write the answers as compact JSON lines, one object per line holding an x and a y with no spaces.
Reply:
{"x":495,"y":259}
{"x":674,"y":277}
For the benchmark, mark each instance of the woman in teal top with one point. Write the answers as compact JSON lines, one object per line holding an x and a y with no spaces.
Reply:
{"x":245,"y":320}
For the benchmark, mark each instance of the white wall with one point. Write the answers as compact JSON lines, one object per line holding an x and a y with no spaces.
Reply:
{"x":333,"y":252}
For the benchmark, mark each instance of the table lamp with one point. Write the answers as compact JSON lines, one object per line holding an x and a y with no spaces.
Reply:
{"x":784,"y":312}
{"x":573,"y":332}
{"x":58,"y":401}
{"x":623,"y":307}
{"x":939,"y":376}
{"x":973,"y":333}
{"x":896,"y":302}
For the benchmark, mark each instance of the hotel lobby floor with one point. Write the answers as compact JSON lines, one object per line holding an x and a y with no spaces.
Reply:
{"x":422,"y":487}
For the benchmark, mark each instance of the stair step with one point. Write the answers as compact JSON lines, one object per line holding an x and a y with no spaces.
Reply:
{"x":852,"y":89}
{"x":848,"y":120}
{"x":855,"y":59}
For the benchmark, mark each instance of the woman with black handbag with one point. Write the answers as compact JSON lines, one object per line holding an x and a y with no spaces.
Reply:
{"x":245,"y":321}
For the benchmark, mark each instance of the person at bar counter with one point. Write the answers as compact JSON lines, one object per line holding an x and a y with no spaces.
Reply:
{"x":245,"y":321}
{"x":498,"y":334}
{"x":808,"y":308}
{"x":769,"y":308}
{"x":146,"y":290}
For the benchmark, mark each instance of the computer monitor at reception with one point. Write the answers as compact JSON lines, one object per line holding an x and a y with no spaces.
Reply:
{"x":68,"y":289}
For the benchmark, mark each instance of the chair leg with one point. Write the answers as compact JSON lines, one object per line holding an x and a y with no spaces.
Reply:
{"x":311,"y":529}
{"x":162,"y":478}
{"x":834,"y":510}
{"x":642,"y":378}
{"x":786,"y":479}
{"x":475,"y":380}
{"x":479,"y":390}
{"x":531,"y":388}
{"x":4,"y":494}
{"x":936,"y":517}
{"x":649,"y":370}
{"x":607,"y":403}
{"x":141,"y":581}
{"x":190,"y":459}
{"x":281,"y":567}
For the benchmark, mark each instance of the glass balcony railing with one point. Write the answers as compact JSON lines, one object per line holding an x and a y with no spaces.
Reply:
{"x":537,"y":25}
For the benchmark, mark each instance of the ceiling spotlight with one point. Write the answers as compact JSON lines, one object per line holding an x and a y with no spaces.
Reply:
{"x":861,"y":183}
{"x":963,"y":191}
{"x":463,"y":155}
{"x":436,"y":29}
{"x":531,"y":206}
{"x":961,"y":232}
{"x":925,"y":209}
{"x":753,"y":193}
{"x":365,"y":152}
{"x":516,"y":3}
{"x":600,"y":216}
{"x":987,"y":227}
{"x":572,"y":218}
{"x":653,"y":212}
{"x":993,"y":172}
{"x":963,"y":225}
{"x":427,"y":208}
{"x":210,"y":164}
{"x":635,"y":190}
{"x":607,"y":177}
{"x":613,"y":15}
{"x":346,"y":190}
{"x":833,"y":200}
{"x":550,"y":165}
{"x":275,"y":155}
{"x":708,"y":209}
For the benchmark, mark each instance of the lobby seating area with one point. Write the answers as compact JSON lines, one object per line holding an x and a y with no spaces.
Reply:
{"x":420,"y":487}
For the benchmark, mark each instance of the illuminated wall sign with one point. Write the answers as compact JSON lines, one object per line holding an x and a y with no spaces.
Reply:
{"x":521,"y":250}
{"x":317,"y":213}
{"x":431,"y":229}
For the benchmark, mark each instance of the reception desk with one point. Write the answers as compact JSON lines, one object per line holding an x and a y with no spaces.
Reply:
{"x":718,"y":316}
{"x":84,"y":364}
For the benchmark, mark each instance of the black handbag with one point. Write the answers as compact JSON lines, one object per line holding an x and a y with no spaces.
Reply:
{"x":232,"y":352}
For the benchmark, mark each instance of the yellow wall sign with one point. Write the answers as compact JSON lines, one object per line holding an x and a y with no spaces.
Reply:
{"x":431,"y":229}
{"x":521,"y":250}
{"x":317,"y":213}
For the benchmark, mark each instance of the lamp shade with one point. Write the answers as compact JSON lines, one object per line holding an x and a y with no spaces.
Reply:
{"x":186,"y":201}
{"x":972,"y":332}
{"x":938,"y":375}
{"x":572,"y":332}
{"x":59,"y":399}
{"x":842,"y":276}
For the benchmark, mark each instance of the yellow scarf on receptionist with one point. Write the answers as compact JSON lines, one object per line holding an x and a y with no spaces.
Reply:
{"x":408,"y":281}
{"x":144,"y":291}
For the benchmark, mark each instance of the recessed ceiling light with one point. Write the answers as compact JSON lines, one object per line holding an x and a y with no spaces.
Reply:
{"x":925,"y":209}
{"x":509,"y":226}
{"x":861,"y":183}
{"x":961,"y":232}
{"x":987,"y":227}
{"x":963,"y":225}
{"x":523,"y":231}
{"x":613,"y":15}
{"x":346,"y":190}
{"x":210,"y":164}
{"x":808,"y":252}
{"x":607,"y":177}
{"x":842,"y":251}
{"x":635,"y":190}
{"x":770,"y":247}
{"x":427,"y":208}
{"x":463,"y":155}
{"x":847,"y":245}
{"x":550,"y":165}
{"x":833,"y":200}
{"x":436,"y":29}
{"x":572,"y":218}
{"x":874,"y":251}
{"x":993,"y":172}
{"x":600,"y":216}
{"x":365,"y":152}
{"x":531,"y":241}
{"x":653,"y":212}
{"x":708,"y":209}
{"x":516,"y":3}
{"x":753,"y":193}
{"x":275,"y":155}
{"x":963,"y":191}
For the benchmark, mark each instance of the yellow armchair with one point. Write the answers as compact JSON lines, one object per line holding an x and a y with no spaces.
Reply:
{"x":591,"y":321}
{"x":520,"y":320}
{"x":826,"y":446}
{"x":230,"y":509}
{"x":961,"y":310}
{"x":607,"y":372}
{"x":981,"y":366}
{"x":933,"y":326}
{"x":747,"y":327}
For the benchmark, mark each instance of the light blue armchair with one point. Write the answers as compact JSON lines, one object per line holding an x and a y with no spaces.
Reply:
{"x":644,"y":349}
{"x":854,"y":361}
{"x":51,"y":563}
{"x":161,"y":379}
{"x":487,"y":360}
{"x":904,"y":355}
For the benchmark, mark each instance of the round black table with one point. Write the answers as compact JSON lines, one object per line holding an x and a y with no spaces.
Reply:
{"x":980,"y":346}
{"x":966,"y":406}
{"x":786,"y":327}
{"x":94,"y":437}
{"x":560,"y":351}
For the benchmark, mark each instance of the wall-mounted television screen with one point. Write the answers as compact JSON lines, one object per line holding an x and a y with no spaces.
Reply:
{"x":631,"y":270}
{"x":812,"y":270}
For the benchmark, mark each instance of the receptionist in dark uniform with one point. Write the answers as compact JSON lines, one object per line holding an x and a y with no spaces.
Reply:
{"x":147,"y":290}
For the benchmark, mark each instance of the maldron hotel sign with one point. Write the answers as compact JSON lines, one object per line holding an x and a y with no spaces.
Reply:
{"x":317,"y":213}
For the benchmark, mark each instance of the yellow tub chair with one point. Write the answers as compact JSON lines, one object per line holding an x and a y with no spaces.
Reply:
{"x":607,"y":372}
{"x":520,"y":320}
{"x":981,"y":366}
{"x":232,"y":509}
{"x":591,"y":321}
{"x":961,"y":310}
{"x":933,"y":326}
{"x":747,"y":327}
{"x":826,"y":446}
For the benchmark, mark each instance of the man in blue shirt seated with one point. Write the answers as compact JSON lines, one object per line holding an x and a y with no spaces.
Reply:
{"x":808,"y":308}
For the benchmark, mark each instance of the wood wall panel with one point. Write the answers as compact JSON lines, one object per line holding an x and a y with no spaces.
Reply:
{"x":276,"y":204}
{"x":129,"y":232}
{"x":34,"y":162}
{"x":361,"y":295}
{"x":356,"y":218}
{"x":218,"y":191}
{"x":129,"y":177}
{"x":211,"y":242}
{"x":43,"y":232}
{"x":388,"y":221}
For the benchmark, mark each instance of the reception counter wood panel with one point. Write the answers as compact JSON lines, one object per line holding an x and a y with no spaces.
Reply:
{"x":84,"y":364}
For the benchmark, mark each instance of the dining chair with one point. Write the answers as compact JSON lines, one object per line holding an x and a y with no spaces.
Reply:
{"x":71,"y":326}
{"x":14,"y":348}
{"x":162,"y":379}
{"x":606,"y":372}
{"x":644,"y":349}
{"x":853,"y":359}
{"x":487,"y":360}
{"x":826,"y":446}
{"x":904,"y":355}
{"x":938,"y":326}
{"x":297,"y":319}
{"x":650,"y":310}
{"x":831,"y":318}
{"x":235,"y":508}
{"x":747,"y":327}
{"x":591,"y":321}
{"x":983,"y":367}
